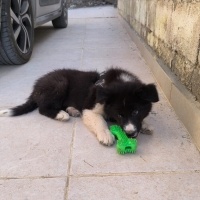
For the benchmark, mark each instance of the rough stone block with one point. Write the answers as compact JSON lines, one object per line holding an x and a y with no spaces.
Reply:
{"x":135,"y":9}
{"x":185,"y":30}
{"x":138,"y":16}
{"x":163,"y":20}
{"x":164,"y":51}
{"x":124,"y":9}
{"x":135,"y":25}
{"x":158,"y":28}
{"x":183,"y":69}
{"x":138,"y":11}
{"x":143,"y":12}
{"x":151,"y":14}
{"x":195,"y":82}
{"x":121,"y":6}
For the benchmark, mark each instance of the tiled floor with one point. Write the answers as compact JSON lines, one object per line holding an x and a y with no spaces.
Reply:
{"x":43,"y":159}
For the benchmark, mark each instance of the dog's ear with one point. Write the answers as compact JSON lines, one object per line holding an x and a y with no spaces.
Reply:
{"x":148,"y":93}
{"x":102,"y":95}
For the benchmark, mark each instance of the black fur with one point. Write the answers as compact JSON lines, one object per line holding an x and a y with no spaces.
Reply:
{"x":124,"y":100}
{"x":57,"y":90}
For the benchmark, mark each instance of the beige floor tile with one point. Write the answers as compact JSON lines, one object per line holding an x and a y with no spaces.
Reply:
{"x":33,"y":145}
{"x":184,"y":186}
{"x":32,"y":189}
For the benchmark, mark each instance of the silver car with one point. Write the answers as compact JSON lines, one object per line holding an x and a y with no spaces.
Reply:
{"x":18,"y":18}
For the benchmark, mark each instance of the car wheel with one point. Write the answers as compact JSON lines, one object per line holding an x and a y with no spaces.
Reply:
{"x":17,"y":32}
{"x":62,"y":21}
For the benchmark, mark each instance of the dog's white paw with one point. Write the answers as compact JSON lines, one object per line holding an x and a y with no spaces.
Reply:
{"x":147,"y":129}
{"x":62,"y":116}
{"x":105,"y":137}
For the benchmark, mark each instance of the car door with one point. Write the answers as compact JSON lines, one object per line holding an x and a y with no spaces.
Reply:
{"x":44,"y":7}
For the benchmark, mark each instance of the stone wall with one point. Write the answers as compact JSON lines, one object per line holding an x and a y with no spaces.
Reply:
{"x":172,"y":29}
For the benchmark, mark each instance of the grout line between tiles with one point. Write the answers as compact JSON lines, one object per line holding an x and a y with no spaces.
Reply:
{"x":125,"y":174}
{"x":134,"y":174}
{"x":69,"y":163}
{"x":32,"y":178}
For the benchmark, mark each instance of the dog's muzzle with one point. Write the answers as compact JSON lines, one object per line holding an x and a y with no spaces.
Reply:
{"x":133,"y":135}
{"x":131,"y":130}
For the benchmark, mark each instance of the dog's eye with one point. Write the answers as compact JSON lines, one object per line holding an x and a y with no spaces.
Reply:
{"x":135,"y":112}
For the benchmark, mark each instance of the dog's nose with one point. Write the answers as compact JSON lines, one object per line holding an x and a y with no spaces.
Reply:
{"x":130,"y":129}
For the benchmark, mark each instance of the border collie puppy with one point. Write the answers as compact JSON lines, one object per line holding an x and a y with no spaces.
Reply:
{"x":115,"y":95}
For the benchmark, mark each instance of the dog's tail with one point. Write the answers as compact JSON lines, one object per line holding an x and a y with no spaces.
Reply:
{"x":27,"y":107}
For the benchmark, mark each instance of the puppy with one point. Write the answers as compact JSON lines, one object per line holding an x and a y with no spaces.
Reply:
{"x":115,"y":95}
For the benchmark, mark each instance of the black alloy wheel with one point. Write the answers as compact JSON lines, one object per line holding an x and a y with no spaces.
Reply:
{"x":17,"y":32}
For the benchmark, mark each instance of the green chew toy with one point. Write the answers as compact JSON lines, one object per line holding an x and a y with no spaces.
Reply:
{"x":124,"y":144}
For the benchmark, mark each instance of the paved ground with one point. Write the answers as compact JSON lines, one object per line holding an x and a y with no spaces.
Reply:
{"x":43,"y":159}
{"x":87,"y":3}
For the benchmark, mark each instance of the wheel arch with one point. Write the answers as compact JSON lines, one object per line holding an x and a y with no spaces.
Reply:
{"x":33,"y":4}
{"x":0,"y":12}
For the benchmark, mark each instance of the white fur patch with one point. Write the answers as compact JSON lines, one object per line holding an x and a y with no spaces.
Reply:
{"x":6,"y":113}
{"x":62,"y":116}
{"x":146,"y":128}
{"x":98,"y":109}
{"x":95,"y":122}
{"x":129,"y":128}
{"x":126,"y":77}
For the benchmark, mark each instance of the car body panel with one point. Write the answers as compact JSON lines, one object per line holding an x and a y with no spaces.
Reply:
{"x":46,"y":10}
{"x":43,"y":11}
{"x":43,"y":8}
{"x":45,"y":18}
{"x":48,"y":2}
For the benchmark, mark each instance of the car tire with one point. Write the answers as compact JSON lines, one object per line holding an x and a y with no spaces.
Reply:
{"x":62,"y":21}
{"x":17,"y":32}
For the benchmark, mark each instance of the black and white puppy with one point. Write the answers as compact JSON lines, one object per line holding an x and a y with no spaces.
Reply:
{"x":114,"y":95}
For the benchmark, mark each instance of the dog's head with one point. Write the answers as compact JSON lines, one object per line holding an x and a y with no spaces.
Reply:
{"x":128,"y":104}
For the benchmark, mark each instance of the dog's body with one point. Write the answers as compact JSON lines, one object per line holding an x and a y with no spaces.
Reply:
{"x":115,"y":95}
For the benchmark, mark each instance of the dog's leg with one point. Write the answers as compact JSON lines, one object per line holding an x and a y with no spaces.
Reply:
{"x":95,"y":122}
{"x":54,"y":114}
{"x":146,"y":128}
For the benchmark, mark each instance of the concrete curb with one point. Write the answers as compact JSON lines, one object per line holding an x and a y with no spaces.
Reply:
{"x":183,"y":102}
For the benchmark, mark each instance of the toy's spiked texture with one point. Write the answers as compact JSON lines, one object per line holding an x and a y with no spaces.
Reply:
{"x":124,"y":144}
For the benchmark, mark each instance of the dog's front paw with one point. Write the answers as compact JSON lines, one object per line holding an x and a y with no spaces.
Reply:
{"x":73,"y":112}
{"x":105,"y":138}
{"x":147,"y":129}
{"x":62,"y":116}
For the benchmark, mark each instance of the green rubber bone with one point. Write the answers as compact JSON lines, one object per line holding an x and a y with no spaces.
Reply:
{"x":124,"y":144}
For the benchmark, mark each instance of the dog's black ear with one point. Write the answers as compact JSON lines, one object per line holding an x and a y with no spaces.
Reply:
{"x":102,"y":95}
{"x":148,"y":93}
